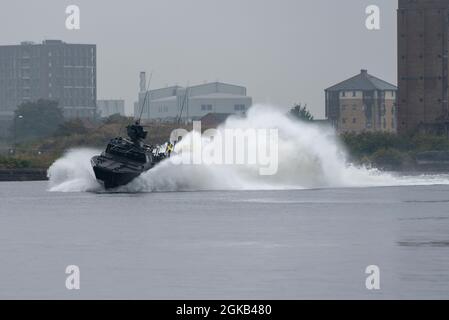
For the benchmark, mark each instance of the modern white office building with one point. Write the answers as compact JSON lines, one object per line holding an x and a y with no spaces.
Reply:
{"x":106,"y":108}
{"x":191,"y":103}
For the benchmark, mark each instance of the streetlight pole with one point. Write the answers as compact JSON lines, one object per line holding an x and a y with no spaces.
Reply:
{"x":15,"y":132}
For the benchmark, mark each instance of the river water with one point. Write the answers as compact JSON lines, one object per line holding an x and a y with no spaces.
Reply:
{"x":284,"y":244}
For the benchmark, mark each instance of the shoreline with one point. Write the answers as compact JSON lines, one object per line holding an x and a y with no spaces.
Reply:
{"x":23,"y":174}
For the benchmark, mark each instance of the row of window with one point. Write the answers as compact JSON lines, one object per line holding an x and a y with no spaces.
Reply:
{"x":77,"y":102}
{"x":61,"y":52}
{"x":78,"y":82}
{"x":79,"y":72}
{"x":388,"y":93}
{"x":237,"y":107}
{"x":10,"y":75}
{"x":78,"y":113}
{"x":162,"y":109}
{"x":354,"y":120}
{"x":72,"y":53}
{"x":355,"y":107}
{"x":438,"y":35}
{"x":420,"y":100}
{"x":348,"y":93}
{"x":206,"y":107}
{"x":421,"y":56}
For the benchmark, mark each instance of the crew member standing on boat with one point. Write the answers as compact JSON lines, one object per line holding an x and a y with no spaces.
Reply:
{"x":136,"y":133}
{"x":169,"y":149}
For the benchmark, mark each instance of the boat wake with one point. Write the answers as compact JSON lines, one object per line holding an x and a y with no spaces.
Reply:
{"x":309,"y":156}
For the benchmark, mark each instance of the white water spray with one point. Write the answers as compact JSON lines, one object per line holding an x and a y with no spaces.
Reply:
{"x":310,"y":156}
{"x":73,"y":172}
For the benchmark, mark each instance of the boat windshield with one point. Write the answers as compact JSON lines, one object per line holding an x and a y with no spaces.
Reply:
{"x":130,"y":154}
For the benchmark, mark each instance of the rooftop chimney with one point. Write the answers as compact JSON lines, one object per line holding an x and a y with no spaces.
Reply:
{"x":143,"y":81}
{"x":364,"y":71}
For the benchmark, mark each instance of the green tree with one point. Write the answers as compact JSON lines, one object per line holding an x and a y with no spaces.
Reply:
{"x":117,"y":118}
{"x":36,"y":119}
{"x":300,"y":112}
{"x":389,"y":159}
{"x":75,"y":126}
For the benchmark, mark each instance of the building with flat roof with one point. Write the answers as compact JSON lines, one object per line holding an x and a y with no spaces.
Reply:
{"x":213,"y":120}
{"x":362,"y":103}
{"x":52,"y":70}
{"x":193,"y":102}
{"x":107,"y":108}
{"x":423,"y":42}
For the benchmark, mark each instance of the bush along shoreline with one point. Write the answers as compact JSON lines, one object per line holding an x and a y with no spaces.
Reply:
{"x":385,"y":151}
{"x":391,"y":152}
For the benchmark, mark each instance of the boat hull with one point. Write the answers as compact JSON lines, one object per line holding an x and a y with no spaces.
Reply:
{"x":113,"y":174}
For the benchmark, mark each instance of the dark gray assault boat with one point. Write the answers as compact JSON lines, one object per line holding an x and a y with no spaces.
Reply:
{"x":125,"y":159}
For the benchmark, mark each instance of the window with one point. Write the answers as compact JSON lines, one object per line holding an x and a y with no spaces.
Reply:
{"x":343,"y":120}
{"x":354,"y":93}
{"x":354,"y":107}
{"x":206,"y":107}
{"x":161,"y":109}
{"x":343,"y":107}
{"x":354,"y":120}
{"x":343,"y":94}
{"x":239,"y":107}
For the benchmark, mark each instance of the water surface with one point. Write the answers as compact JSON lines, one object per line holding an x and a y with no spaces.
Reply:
{"x":299,"y":244}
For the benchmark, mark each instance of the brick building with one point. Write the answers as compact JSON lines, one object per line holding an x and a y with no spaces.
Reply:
{"x":362,"y":103}
{"x":423,"y":40}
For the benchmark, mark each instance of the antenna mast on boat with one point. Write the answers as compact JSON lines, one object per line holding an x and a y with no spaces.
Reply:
{"x":183,"y":103}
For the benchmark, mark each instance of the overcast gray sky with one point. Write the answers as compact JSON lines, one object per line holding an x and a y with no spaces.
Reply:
{"x":283,"y":51}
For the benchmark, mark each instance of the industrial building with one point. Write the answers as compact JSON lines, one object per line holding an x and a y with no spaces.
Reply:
{"x":423,"y":41}
{"x":362,"y":103}
{"x":107,"y":108}
{"x":52,"y":70}
{"x":191,"y":103}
